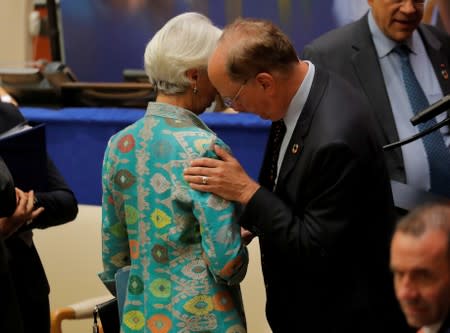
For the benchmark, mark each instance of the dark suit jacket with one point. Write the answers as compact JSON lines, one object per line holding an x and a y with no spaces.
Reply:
{"x":445,"y":328}
{"x":350,"y":52}
{"x":325,"y":232}
{"x":7,"y":192}
{"x":9,"y":308}
{"x":60,"y":207}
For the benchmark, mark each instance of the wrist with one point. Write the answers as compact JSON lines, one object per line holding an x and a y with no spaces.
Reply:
{"x":249,"y":192}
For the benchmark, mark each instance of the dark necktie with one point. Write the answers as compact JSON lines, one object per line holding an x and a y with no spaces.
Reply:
{"x":437,"y":152}
{"x":269,"y":171}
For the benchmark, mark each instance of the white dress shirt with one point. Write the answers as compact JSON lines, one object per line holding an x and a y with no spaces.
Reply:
{"x":432,"y":328}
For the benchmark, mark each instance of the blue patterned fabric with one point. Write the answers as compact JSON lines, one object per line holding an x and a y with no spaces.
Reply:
{"x":184,"y":246}
{"x":437,"y":152}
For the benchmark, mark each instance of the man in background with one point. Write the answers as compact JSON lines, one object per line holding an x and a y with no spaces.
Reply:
{"x":391,"y":58}
{"x":436,"y":12}
{"x":420,"y":262}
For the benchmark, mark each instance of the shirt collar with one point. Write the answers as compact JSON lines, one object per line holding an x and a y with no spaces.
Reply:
{"x":299,"y":99}
{"x":432,"y":328}
{"x":176,"y":113}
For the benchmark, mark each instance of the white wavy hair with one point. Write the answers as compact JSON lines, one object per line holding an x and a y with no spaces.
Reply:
{"x":186,"y":41}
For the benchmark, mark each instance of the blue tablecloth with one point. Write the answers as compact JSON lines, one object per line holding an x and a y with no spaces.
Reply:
{"x":77,"y":138}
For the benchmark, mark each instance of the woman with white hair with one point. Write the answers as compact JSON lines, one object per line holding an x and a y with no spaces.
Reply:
{"x":184,"y":247}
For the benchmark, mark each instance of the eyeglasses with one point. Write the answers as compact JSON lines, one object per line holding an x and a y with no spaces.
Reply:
{"x":229,"y":101}
{"x":415,"y":2}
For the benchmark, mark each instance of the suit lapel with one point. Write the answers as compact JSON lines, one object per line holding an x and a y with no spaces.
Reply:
{"x":439,"y":60}
{"x":368,"y":70}
{"x":296,"y":143}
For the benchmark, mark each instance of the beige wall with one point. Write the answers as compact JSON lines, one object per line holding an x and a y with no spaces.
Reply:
{"x":71,"y":255}
{"x":14,"y":39}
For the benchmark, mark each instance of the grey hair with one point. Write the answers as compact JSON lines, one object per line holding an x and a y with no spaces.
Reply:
{"x":185,"y":42}
{"x":431,"y":216}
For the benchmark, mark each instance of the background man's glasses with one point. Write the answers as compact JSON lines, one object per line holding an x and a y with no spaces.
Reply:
{"x":229,"y":101}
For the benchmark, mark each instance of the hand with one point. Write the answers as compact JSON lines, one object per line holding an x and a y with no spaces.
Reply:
{"x":35,"y":212}
{"x":225,"y":177}
{"x":246,"y":236}
{"x":23,"y":214}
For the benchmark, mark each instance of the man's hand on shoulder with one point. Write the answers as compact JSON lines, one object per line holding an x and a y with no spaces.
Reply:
{"x":224,"y":177}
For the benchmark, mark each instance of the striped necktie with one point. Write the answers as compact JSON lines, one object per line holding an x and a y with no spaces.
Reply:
{"x":437,"y":152}
{"x":269,"y":171}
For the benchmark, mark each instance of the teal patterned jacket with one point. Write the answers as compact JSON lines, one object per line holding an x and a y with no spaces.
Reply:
{"x":184,"y":246}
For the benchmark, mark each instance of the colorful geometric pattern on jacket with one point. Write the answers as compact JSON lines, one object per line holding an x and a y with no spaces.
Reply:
{"x":184,"y":246}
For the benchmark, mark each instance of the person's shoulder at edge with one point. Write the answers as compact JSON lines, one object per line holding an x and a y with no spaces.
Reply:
{"x":335,"y":36}
{"x":436,"y":32}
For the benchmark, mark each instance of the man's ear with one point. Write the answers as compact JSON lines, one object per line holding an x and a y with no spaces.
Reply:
{"x":265,"y":80}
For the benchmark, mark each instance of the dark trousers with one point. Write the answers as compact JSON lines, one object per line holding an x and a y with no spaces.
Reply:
{"x":30,"y":284}
{"x":35,"y":315}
